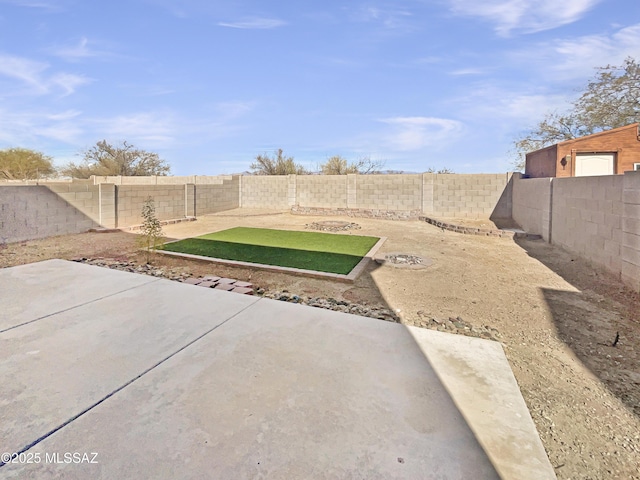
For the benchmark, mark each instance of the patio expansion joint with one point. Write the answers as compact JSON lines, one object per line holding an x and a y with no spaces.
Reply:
{"x":124,"y":385}
{"x":79,"y":305}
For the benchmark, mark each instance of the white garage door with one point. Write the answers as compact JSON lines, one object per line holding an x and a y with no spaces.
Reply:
{"x":594,"y":164}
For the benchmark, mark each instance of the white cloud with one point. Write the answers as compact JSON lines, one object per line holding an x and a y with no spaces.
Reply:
{"x":388,"y":18}
{"x":51,"y":6}
{"x":579,"y":56}
{"x":415,"y":133}
{"x":75,"y":52}
{"x":33,"y":74}
{"x":158,"y":128}
{"x":28,"y":71}
{"x":255,"y":23}
{"x":573,"y":60}
{"x":232,"y":110}
{"x":467,"y":71}
{"x":504,"y":107}
{"x":17,"y":129}
{"x":525,"y":15}
{"x":68,"y":82}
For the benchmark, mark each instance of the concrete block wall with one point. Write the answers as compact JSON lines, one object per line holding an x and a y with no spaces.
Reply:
{"x":586,"y":218}
{"x":32,"y":212}
{"x":211,"y":198}
{"x":108,"y":199}
{"x":159,"y":179}
{"x":532,"y":205}
{"x":630,"y":248}
{"x":470,"y":195}
{"x":597,"y":218}
{"x":389,"y":192}
{"x":83,"y":197}
{"x":264,"y":191}
{"x":323,"y":191}
{"x":169,"y":201}
{"x":445,"y":195}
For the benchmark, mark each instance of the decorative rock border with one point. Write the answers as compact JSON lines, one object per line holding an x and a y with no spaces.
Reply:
{"x":162,"y":222}
{"x":404,"y":260}
{"x":371,"y":311}
{"x":175,"y":274}
{"x":458,"y":326}
{"x":332,"y":226}
{"x":138,"y":227}
{"x":472,"y":230}
{"x":451,"y":325}
{"x":357,"y":212}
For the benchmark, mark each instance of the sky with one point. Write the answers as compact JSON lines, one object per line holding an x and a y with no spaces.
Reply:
{"x":209,"y":85}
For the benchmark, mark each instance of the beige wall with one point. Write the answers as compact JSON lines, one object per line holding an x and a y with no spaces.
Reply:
{"x":586,"y":218}
{"x":471,"y":195}
{"x":389,"y":192}
{"x":532,"y":205}
{"x":264,"y":191}
{"x":630,"y":249}
{"x":448,"y":195}
{"x":212,"y":198}
{"x":597,"y":218}
{"x":160,"y":179}
{"x":31,"y":212}
{"x":324,"y":191}
{"x":169,"y":201}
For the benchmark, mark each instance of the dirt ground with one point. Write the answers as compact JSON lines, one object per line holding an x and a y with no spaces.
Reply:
{"x":557,"y":317}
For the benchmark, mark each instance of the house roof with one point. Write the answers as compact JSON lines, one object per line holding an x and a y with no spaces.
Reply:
{"x":593,"y":135}
{"x":600,"y":134}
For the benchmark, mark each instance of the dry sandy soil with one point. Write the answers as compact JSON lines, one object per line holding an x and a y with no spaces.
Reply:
{"x":557,"y":318}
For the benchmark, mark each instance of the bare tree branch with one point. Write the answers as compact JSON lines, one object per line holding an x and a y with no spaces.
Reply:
{"x":124,"y":159}
{"x":277,"y":165}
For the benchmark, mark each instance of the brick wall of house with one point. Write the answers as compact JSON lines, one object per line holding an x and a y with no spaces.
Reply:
{"x":542,"y":163}
{"x":623,"y":141}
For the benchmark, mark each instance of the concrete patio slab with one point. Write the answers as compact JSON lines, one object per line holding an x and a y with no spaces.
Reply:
{"x":49,"y":283}
{"x":171,"y":381}
{"x":56,"y":367}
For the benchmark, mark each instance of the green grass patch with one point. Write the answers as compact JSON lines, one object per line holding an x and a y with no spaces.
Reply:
{"x":322,"y":252}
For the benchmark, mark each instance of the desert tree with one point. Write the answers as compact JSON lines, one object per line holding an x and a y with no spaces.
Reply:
{"x":338,"y":165}
{"x":439,"y":170}
{"x":25,"y":164}
{"x":612,"y":98}
{"x":120,"y":159}
{"x":151,"y":234}
{"x":278,"y":164}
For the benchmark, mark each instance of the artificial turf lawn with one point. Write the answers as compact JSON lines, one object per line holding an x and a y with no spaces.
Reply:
{"x":322,"y":252}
